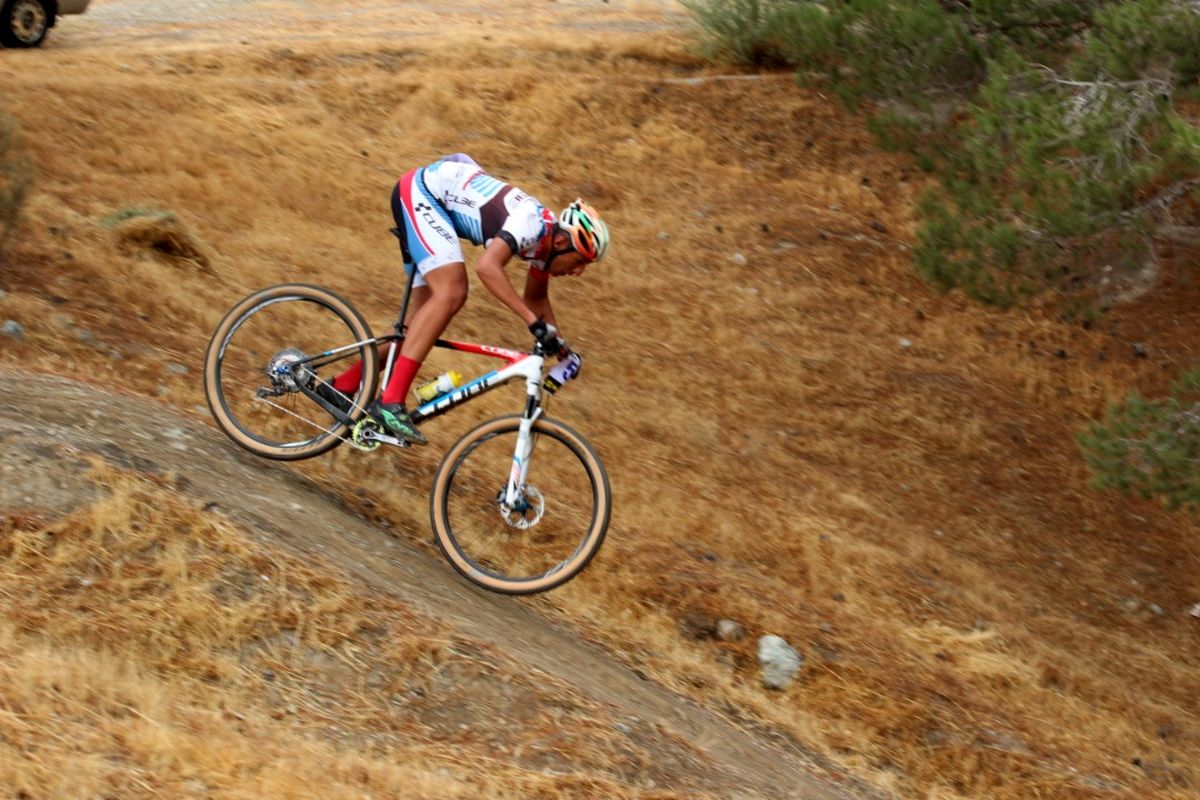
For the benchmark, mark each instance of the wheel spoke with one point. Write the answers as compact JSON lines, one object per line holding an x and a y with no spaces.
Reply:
{"x":260,"y":363}
{"x":489,"y":538}
{"x":300,"y":327}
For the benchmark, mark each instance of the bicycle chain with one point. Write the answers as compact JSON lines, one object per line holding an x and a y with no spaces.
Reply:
{"x":355,"y":439}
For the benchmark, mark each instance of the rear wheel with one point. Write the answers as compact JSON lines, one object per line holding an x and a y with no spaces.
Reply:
{"x":267,"y":350}
{"x":24,"y":23}
{"x":555,"y":528}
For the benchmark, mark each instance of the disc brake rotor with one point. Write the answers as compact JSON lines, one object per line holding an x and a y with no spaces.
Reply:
{"x":526,"y":512}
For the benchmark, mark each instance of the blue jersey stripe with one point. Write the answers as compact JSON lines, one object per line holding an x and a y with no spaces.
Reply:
{"x":486,"y":186}
{"x":468,"y":228}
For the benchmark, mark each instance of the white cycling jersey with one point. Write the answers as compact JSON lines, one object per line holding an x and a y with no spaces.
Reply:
{"x":452,"y":199}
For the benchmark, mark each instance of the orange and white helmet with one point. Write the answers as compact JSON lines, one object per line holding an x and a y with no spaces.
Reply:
{"x":589,"y":234}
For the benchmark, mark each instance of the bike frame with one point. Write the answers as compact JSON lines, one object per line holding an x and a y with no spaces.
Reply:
{"x":526,"y":366}
{"x":518,"y":365}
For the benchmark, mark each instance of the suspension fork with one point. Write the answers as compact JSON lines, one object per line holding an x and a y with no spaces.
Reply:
{"x":523,"y":451}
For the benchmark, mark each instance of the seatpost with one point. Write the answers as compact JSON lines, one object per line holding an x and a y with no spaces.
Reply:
{"x":408,"y":287}
{"x":399,"y":234}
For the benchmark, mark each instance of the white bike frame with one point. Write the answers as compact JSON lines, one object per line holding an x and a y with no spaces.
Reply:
{"x":524,"y":366}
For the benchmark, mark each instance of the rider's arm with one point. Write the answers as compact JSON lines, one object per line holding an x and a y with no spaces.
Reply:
{"x":490,"y":269}
{"x":537,"y":296}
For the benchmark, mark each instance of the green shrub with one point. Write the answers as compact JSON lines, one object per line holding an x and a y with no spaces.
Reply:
{"x":1150,"y":448}
{"x":1055,"y":183}
{"x":753,"y":32}
{"x":1149,"y":37}
{"x":876,"y":49}
{"x":1050,"y":125}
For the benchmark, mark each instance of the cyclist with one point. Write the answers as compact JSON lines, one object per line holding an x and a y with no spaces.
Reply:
{"x":452,"y":199}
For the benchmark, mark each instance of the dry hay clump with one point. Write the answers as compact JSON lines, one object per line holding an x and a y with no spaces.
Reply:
{"x":148,"y":648}
{"x":14,"y":176}
{"x":159,"y":232}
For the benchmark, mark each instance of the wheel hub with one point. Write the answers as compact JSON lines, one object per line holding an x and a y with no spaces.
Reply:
{"x":284,"y":373}
{"x":526,"y":512}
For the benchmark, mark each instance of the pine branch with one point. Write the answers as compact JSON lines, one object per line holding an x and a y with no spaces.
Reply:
{"x":1180,"y":234}
{"x":1163,"y":199}
{"x":1033,"y":24}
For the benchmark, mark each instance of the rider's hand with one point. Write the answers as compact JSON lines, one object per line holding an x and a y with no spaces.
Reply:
{"x":546,"y":335}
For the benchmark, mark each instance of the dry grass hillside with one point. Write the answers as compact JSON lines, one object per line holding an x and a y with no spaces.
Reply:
{"x":801,"y":435}
{"x":154,"y":650}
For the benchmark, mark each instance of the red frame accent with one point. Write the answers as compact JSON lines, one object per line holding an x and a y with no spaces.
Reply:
{"x":511,"y":356}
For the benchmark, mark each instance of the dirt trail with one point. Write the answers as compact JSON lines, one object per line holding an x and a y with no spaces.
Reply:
{"x":109,"y":22}
{"x":45,"y":420}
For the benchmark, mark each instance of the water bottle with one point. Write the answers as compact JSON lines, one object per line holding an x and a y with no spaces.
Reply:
{"x":446,"y":382}
{"x":563,"y":371}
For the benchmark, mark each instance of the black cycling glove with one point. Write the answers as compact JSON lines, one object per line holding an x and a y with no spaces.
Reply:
{"x":547,"y":336}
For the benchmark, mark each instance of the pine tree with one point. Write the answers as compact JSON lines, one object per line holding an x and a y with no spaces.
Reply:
{"x":1057,"y":182}
{"x":1051,"y":124}
{"x":1063,"y":161}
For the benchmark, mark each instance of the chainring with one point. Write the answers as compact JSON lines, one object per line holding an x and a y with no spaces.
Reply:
{"x":356,"y":434}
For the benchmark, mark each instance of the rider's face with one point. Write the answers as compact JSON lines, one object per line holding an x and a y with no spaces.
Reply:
{"x":568,"y":264}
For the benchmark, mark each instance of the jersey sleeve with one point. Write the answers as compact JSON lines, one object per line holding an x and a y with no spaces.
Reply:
{"x":508,"y":239}
{"x":525,"y":226}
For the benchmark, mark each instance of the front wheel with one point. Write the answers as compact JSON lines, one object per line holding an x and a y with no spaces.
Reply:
{"x":552,"y":532}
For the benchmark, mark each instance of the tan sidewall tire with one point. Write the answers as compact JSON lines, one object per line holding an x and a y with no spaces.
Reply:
{"x":593,"y":538}
{"x":211,"y":362}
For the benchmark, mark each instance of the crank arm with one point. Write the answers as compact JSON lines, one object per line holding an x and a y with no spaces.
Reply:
{"x":371,"y":436}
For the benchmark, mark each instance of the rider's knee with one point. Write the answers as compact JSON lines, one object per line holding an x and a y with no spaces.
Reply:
{"x":452,"y":296}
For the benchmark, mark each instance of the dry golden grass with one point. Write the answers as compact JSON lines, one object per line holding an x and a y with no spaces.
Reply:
{"x":150,"y":648}
{"x":916,"y":518}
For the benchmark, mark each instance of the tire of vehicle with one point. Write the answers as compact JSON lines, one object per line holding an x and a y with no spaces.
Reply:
{"x":24,"y":23}
{"x":481,"y":494}
{"x":323,"y":300}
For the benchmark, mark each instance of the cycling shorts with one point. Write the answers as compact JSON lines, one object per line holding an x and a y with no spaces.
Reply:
{"x":430,"y":240}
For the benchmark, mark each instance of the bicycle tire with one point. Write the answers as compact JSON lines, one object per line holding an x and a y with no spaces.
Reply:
{"x":450,"y":541}
{"x":215,"y":393}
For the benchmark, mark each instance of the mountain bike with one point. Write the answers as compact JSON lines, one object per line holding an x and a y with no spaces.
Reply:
{"x":520,"y":504}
